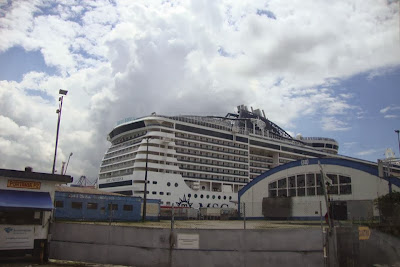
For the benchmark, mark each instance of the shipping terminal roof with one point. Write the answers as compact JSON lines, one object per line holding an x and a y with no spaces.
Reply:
{"x":85,"y":190}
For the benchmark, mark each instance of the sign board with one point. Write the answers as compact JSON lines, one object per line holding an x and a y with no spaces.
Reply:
{"x":23,"y":184}
{"x":364,"y":232}
{"x":16,"y":237}
{"x":188,"y":241}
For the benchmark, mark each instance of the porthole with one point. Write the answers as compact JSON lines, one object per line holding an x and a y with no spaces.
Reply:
{"x":176,"y":184}
{"x":224,"y":197}
{"x":230,"y":197}
{"x":195,"y":195}
{"x":219,"y":197}
{"x":168,"y":184}
{"x":189,"y":195}
{"x":201,"y":196}
{"x":213,"y":196}
{"x":208,"y":196}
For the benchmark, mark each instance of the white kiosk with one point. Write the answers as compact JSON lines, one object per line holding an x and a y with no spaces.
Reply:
{"x":26,"y":204}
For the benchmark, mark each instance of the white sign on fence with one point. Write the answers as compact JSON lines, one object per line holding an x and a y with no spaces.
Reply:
{"x":16,"y":237}
{"x":188,"y":241}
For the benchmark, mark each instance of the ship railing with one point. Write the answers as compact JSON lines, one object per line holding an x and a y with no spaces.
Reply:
{"x":318,"y":138}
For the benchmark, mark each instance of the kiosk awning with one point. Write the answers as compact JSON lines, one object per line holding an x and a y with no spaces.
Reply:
{"x":25,"y":199}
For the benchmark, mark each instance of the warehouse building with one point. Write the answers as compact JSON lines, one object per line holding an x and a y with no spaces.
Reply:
{"x":294,"y":190}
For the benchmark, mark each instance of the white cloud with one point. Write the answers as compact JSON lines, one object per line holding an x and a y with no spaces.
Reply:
{"x":121,"y":59}
{"x":391,"y":116}
{"x":389,"y":108}
{"x":333,"y":124}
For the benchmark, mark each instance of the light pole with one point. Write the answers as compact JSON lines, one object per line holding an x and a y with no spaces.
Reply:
{"x":58,"y":111}
{"x":398,"y":135}
{"x":145,"y":181}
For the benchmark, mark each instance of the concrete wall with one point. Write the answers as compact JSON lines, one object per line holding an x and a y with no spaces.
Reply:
{"x":379,"y":249}
{"x":151,"y":247}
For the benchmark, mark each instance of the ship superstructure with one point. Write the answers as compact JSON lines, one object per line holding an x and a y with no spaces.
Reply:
{"x":200,"y":161}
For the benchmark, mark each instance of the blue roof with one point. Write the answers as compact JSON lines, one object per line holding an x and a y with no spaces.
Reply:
{"x":325,"y":161}
{"x":25,"y":199}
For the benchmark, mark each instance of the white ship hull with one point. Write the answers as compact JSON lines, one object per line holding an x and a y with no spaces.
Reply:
{"x":196,"y":161}
{"x":171,"y":189}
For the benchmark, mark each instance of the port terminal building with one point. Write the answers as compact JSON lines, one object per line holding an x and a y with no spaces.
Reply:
{"x":294,"y":191}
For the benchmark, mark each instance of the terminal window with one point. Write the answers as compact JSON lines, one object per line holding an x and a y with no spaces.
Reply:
{"x":76,"y":205}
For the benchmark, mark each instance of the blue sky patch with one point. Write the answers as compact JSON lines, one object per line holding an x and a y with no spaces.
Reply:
{"x":264,"y":12}
{"x":15,"y":62}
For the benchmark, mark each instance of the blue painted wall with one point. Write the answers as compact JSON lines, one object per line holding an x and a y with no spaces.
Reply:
{"x":102,"y":212}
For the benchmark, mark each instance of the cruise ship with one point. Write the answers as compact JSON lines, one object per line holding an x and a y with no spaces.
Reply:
{"x":200,"y":161}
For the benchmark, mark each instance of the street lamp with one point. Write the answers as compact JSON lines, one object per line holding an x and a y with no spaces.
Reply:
{"x":58,"y":111}
{"x":398,"y":136}
{"x":145,"y":181}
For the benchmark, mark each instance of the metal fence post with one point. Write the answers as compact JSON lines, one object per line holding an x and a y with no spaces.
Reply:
{"x":244,"y":215}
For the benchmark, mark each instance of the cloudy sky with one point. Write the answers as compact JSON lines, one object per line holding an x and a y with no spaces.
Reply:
{"x":317,"y":68}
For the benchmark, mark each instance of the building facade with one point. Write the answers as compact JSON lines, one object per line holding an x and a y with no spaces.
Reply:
{"x":295,"y":190}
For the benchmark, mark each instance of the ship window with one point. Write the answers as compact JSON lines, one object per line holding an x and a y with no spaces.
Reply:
{"x":208,"y":196}
{"x":230,"y":197}
{"x":224,"y":197}
{"x":219,"y":197}
{"x":91,"y":206}
{"x":189,"y":195}
{"x":213,"y":196}
{"x":201,"y":196}
{"x":176,"y":184}
{"x":195,"y":195}
{"x":168,"y":184}
{"x":76,"y":205}
{"x":154,"y":192}
{"x":161,"y":193}
{"x":154,"y":182}
{"x":168,"y":193}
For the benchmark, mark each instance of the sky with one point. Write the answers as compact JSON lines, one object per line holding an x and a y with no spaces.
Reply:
{"x":317,"y":68}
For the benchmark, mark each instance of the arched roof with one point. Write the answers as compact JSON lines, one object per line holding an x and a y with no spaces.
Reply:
{"x":373,"y":170}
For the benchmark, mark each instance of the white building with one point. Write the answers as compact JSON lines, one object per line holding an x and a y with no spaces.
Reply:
{"x":294,"y":190}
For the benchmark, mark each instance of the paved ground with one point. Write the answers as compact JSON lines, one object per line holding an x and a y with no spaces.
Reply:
{"x":53,"y":263}
{"x":217,"y":224}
